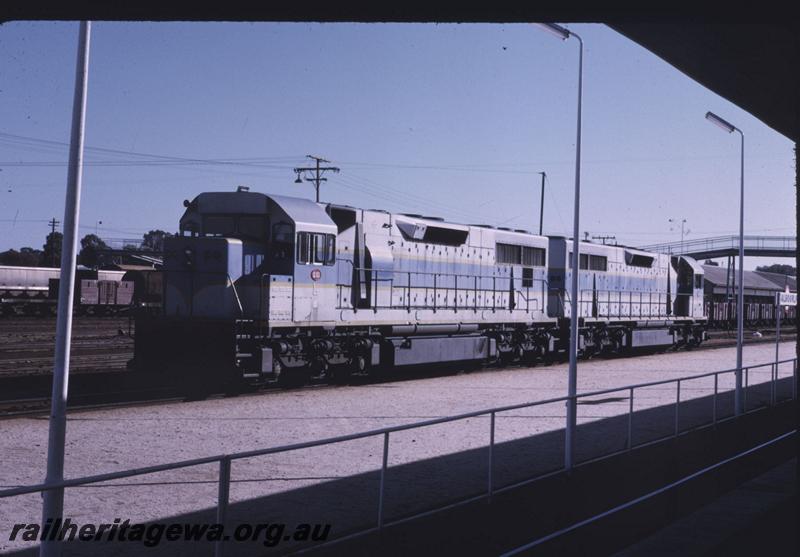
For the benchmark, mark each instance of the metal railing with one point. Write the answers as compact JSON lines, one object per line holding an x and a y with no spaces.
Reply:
{"x":432,"y":285}
{"x":225,"y":460}
{"x":631,"y":503}
{"x":641,"y":304}
{"x":751,"y":243}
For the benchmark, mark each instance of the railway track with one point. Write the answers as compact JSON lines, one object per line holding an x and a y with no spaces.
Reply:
{"x":27,"y":396}
{"x":98,"y":344}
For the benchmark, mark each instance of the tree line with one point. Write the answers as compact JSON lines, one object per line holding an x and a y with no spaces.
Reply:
{"x":89,"y":255}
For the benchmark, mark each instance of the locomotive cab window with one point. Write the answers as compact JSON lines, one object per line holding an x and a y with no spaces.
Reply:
{"x":221,"y":225}
{"x":253,"y":226}
{"x":316,"y":249}
{"x":281,"y":241}
{"x":698,"y":281}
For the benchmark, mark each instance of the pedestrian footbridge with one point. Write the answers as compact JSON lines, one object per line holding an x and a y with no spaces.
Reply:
{"x":724,"y":246}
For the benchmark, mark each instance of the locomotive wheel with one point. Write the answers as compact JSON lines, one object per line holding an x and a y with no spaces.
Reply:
{"x":277,"y":368}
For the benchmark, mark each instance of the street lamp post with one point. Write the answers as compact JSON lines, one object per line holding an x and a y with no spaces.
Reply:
{"x":683,"y":222}
{"x":738,"y":399}
{"x":541,"y":205}
{"x":572,"y":382}
{"x":53,"y":499}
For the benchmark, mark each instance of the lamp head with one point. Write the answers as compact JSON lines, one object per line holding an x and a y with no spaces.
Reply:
{"x":717,"y":121}
{"x":556,"y":30}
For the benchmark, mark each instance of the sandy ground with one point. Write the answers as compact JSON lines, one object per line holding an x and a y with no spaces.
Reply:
{"x":118,"y":439}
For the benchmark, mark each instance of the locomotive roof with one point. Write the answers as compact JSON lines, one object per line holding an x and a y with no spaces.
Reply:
{"x":301,"y":211}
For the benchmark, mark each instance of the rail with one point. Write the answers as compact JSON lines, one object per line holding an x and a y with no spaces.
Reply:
{"x":225,"y":460}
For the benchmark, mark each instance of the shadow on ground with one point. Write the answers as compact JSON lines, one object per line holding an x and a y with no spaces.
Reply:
{"x":350,"y":504}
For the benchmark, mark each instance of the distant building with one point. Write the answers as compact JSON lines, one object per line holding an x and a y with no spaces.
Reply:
{"x":721,"y":290}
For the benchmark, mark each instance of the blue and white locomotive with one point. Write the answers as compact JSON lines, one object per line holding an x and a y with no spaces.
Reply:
{"x":265,"y":287}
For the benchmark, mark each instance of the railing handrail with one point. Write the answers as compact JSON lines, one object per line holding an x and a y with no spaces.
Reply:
{"x":785,"y":241}
{"x":435,"y":273}
{"x":349,"y":437}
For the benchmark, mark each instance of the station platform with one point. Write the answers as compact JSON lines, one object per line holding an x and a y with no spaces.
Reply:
{"x":517,"y":514}
{"x":758,"y":517}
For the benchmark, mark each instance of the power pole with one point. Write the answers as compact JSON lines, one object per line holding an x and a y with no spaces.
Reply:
{"x":318,"y":172}
{"x":53,"y":223}
{"x":604,"y":238}
{"x":541,"y":205}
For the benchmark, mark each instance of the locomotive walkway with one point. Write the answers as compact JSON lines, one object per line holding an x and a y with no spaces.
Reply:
{"x":723,"y":246}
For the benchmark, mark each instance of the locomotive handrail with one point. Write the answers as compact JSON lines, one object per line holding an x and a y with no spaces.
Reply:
{"x":235,"y":294}
{"x":408,"y":287}
{"x":361,"y":435}
{"x":662,"y":299}
{"x":430,"y":272}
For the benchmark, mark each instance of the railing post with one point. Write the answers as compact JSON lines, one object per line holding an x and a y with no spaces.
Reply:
{"x":630,"y":420}
{"x":222,"y":498}
{"x":714,"y":409}
{"x":475,"y":293}
{"x":772,"y":383}
{"x":383,"y":478}
{"x":744,"y":391}
{"x":434,"y":292}
{"x":455,"y":295}
{"x":491,"y":455}
{"x":677,"y":404}
{"x":408,"y":296}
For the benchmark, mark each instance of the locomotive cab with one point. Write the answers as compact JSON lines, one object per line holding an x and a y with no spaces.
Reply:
{"x":240,"y":255}
{"x":690,"y":285}
{"x":244,"y":265}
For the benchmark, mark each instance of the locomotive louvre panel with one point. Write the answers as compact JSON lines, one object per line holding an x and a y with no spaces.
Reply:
{"x":280,"y":301}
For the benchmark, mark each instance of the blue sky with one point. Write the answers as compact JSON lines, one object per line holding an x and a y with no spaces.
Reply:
{"x":447,"y":120}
